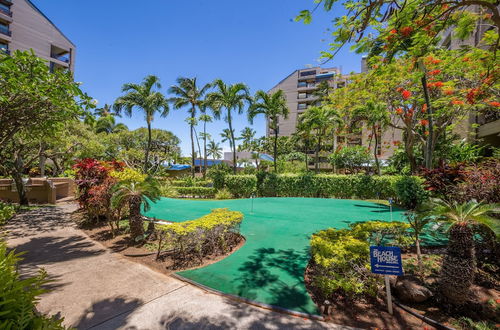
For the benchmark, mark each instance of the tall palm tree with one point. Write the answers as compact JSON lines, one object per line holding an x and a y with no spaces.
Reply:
{"x":226,"y":137}
{"x":146,"y":98}
{"x":272,"y":106}
{"x":136,"y":194}
{"x":107,"y":124}
{"x":205,"y":118}
{"x":106,"y":110}
{"x":459,"y":263}
{"x":231,"y":98}
{"x":320,"y":120}
{"x":214,"y":149}
{"x":247,"y":136}
{"x":188,"y":94}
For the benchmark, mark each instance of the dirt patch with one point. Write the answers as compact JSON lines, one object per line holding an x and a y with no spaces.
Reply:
{"x":146,"y":254}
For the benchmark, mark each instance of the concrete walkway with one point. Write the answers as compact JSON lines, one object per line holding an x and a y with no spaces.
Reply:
{"x":94,"y":288}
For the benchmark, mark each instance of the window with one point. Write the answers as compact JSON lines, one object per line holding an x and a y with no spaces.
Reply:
{"x":4,"y":8}
{"x":302,"y":84}
{"x":307,"y":73}
{"x":4,"y":28}
{"x":302,"y":96}
{"x":302,"y":106}
{"x":4,"y":46}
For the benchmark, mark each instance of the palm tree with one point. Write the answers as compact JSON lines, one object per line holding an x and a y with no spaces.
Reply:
{"x":107,"y":124}
{"x":459,"y":263}
{"x":247,"y":136}
{"x":136,"y":194}
{"x":321,"y":120}
{"x":231,"y":98}
{"x":104,"y":111}
{"x":214,"y":149}
{"x":272,"y":106}
{"x":205,"y":119}
{"x":187,"y":93}
{"x":145,"y":98}
{"x":226,"y":137}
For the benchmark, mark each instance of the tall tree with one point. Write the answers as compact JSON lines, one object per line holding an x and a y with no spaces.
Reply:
{"x":146,"y":98}
{"x":273,"y":106}
{"x":205,"y":118}
{"x":319,"y":120}
{"x":188,"y":94}
{"x":107,"y":124}
{"x":214,"y":149}
{"x":229,"y":98}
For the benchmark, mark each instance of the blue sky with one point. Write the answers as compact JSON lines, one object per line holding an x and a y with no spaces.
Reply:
{"x":255,"y":42}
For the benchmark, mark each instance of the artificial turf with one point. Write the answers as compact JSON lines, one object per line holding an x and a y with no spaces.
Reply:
{"x":270,"y":267}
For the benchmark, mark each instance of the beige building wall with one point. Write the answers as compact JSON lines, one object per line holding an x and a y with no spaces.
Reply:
{"x":31,"y":29}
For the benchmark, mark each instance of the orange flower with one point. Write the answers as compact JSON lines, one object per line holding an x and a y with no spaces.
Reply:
{"x":439,"y":84}
{"x":436,"y":61}
{"x":426,"y":133}
{"x":434,"y":72}
{"x":399,"y":89}
{"x":457,"y":102}
{"x":406,"y":94}
{"x":424,"y":108}
{"x":424,"y":122}
{"x":393,"y":31}
{"x":399,"y":111}
{"x":448,"y":91}
{"x":495,"y":104}
{"x":406,"y":31}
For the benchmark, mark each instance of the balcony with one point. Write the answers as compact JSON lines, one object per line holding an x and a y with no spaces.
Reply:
{"x":5,"y":11}
{"x":60,"y":54}
{"x":62,"y":58}
{"x":4,"y":29}
{"x":7,"y":2}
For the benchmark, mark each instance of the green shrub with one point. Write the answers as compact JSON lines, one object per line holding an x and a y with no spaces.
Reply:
{"x":7,"y":211}
{"x":241,"y":185}
{"x":190,"y":183}
{"x":212,"y":234}
{"x":201,"y":192}
{"x":217,"y":174}
{"x":410,"y":192}
{"x":167,"y":190}
{"x":18,"y":297}
{"x":223,"y":194}
{"x":340,"y":258}
{"x":322,"y":185}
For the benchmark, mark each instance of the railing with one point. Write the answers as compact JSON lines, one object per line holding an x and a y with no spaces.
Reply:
{"x":61,"y":58}
{"x":6,"y":11}
{"x":5,"y":31}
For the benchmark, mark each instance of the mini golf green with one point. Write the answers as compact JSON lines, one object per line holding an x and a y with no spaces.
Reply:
{"x":270,"y":266}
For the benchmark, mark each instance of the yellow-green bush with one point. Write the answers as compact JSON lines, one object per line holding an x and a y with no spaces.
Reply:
{"x":7,"y":211}
{"x":340,"y":258}
{"x":128,"y":175}
{"x":213,"y":234}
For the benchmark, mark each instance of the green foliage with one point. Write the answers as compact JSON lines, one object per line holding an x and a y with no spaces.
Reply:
{"x":241,"y":185}
{"x":410,"y":192}
{"x":201,"y":192}
{"x":351,"y":158}
{"x":431,"y":265}
{"x":212,"y":234}
{"x":18,"y":297}
{"x":7,"y":211}
{"x":223,"y":194}
{"x":168,"y":190}
{"x":128,"y":175}
{"x":465,"y":323}
{"x":321,"y":185}
{"x":190,"y":182}
{"x":217,"y":173}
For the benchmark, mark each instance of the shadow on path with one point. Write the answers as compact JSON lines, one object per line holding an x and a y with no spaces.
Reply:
{"x":106,"y":309}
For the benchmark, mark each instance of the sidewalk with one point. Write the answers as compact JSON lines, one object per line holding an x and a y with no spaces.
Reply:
{"x":94,"y":288}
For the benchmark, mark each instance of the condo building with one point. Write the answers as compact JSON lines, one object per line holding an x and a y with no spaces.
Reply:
{"x":299,"y":88}
{"x":23,"y":27}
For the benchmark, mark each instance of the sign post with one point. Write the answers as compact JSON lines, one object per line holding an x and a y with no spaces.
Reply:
{"x":386,"y":260}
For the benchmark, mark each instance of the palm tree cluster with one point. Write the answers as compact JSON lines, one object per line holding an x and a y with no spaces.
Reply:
{"x":204,"y":103}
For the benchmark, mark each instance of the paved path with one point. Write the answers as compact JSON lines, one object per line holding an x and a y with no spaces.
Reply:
{"x":94,"y":288}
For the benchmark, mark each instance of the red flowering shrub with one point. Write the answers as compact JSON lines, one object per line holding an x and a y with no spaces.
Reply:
{"x":90,"y":173}
{"x":442,"y":181}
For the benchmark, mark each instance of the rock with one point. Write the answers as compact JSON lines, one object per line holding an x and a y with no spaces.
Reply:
{"x":411,"y":290}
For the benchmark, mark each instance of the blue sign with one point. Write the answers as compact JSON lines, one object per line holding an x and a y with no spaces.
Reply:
{"x":386,"y":260}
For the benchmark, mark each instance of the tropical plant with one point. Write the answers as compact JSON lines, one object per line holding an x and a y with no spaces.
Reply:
{"x":205,"y":118}
{"x":418,"y":220}
{"x":136,"y":195}
{"x":351,"y":158}
{"x":7,"y":211}
{"x":410,"y":192}
{"x":272,"y":106}
{"x":146,"y":98}
{"x":223,"y":194}
{"x":459,"y":263}
{"x":107,"y":124}
{"x":188,"y":94}
{"x":320,"y":120}
{"x":229,"y":98}
{"x":214,"y":149}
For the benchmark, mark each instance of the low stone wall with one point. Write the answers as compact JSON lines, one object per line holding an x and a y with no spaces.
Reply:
{"x":39,"y":190}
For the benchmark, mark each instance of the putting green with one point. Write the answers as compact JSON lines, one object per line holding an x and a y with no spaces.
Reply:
{"x":270,"y":266}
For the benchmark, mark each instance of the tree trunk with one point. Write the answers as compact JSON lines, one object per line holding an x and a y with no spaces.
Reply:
{"x":42,"y":160}
{"x":375,"y":151}
{"x":135,"y":220}
{"x":419,"y":253}
{"x":459,"y":265}
{"x":199,"y":148}
{"x":232,"y":142}
{"x":318,"y":148}
{"x":192,"y":148}
{"x":204,"y":149}
{"x":275,"y":149}
{"x":21,"y":189}
{"x":429,"y":148}
{"x":409,"y":142}
{"x":146,"y":158}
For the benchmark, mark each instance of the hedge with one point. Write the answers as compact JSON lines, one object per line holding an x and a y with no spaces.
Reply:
{"x":189,"y":183}
{"x":202,"y":192}
{"x":310,"y":185}
{"x":212,"y":234}
{"x":241,"y":185}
